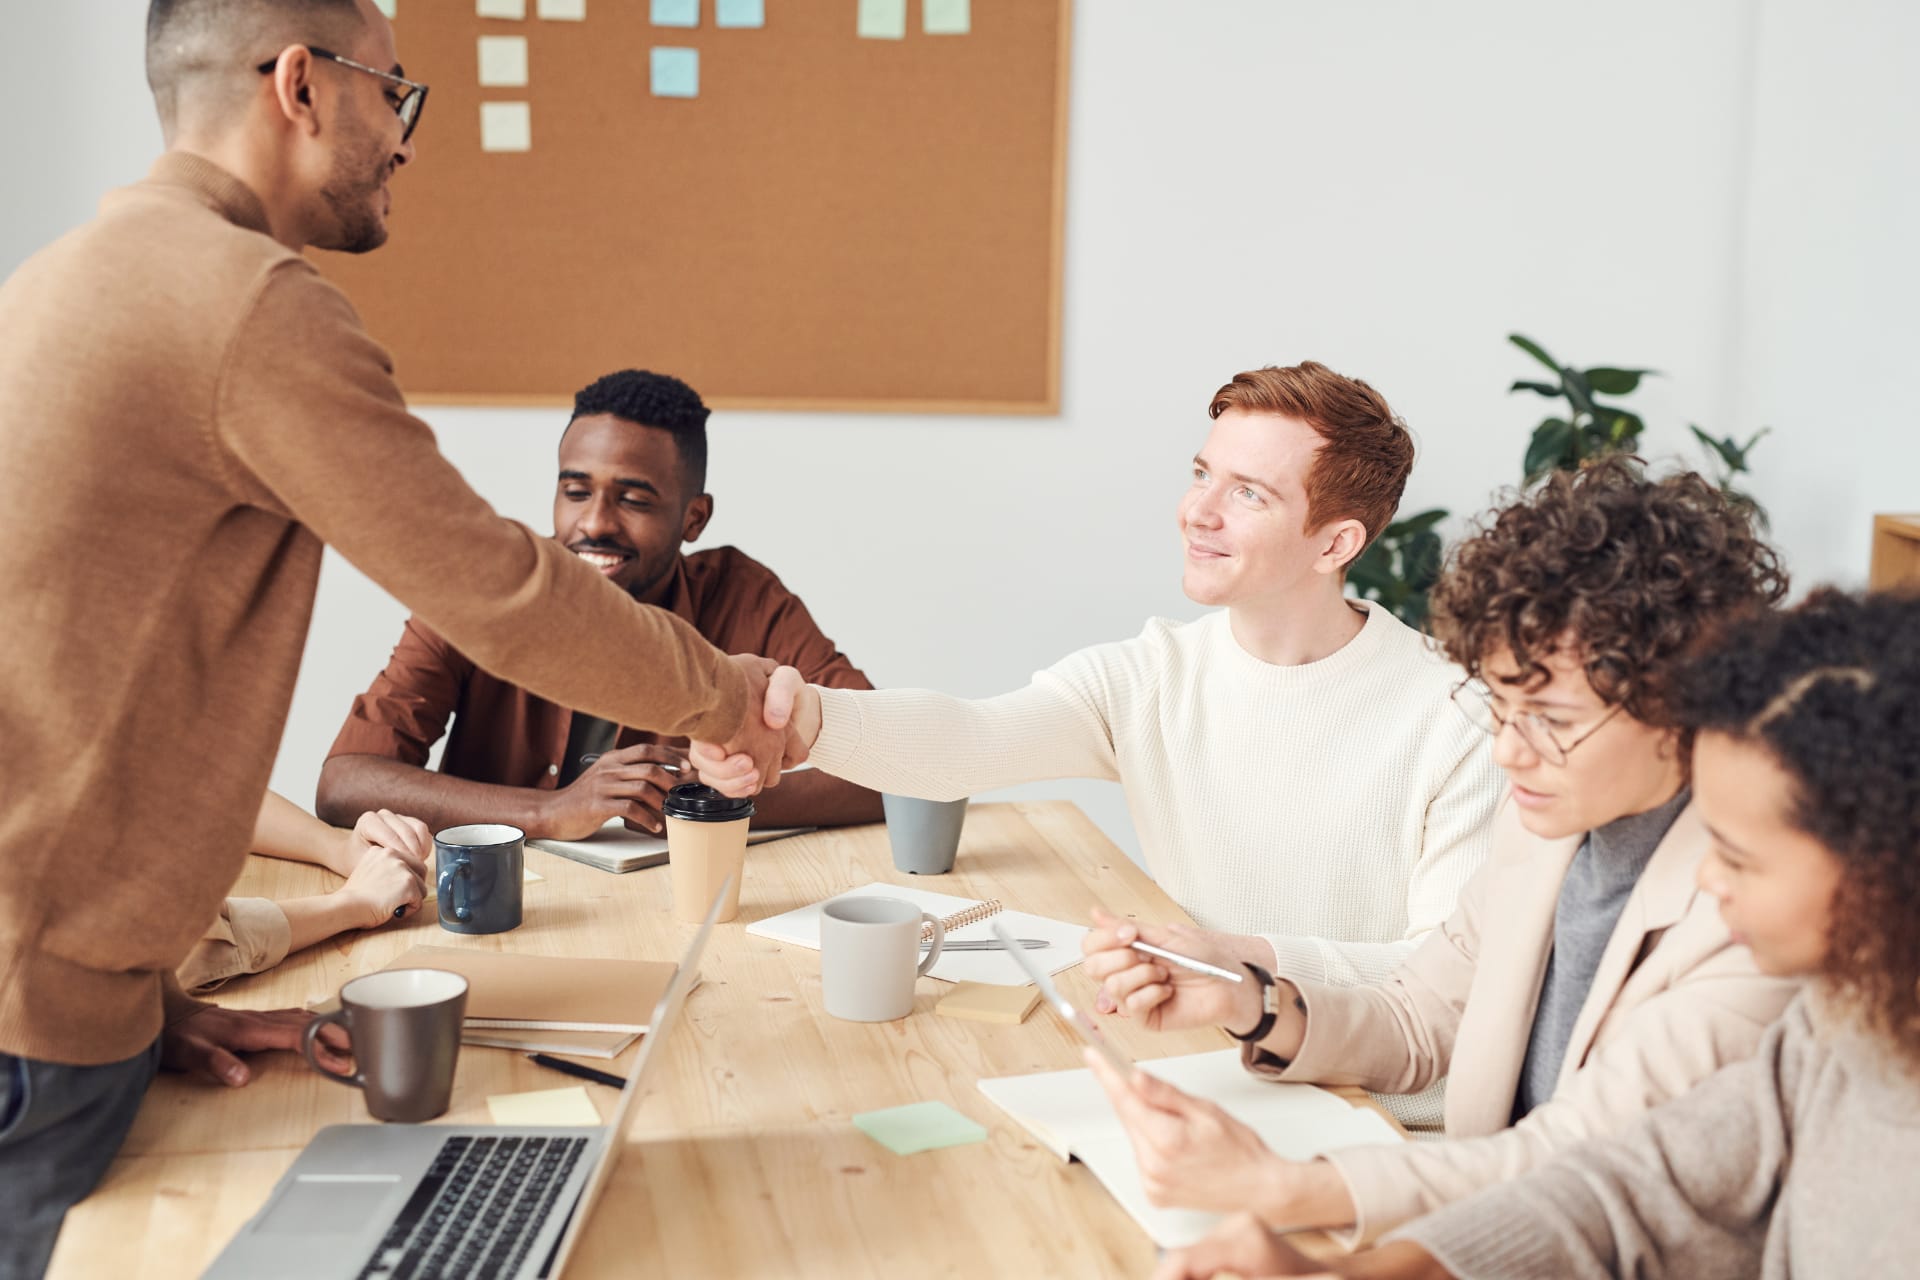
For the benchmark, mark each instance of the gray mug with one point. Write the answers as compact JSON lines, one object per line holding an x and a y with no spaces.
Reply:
{"x":925,"y":834}
{"x":405,"y":1025}
{"x":870,"y":957}
{"x":480,"y":869}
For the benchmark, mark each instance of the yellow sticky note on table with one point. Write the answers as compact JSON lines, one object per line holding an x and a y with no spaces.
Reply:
{"x":503,"y":61}
{"x":983,"y":1002}
{"x":544,"y":1106}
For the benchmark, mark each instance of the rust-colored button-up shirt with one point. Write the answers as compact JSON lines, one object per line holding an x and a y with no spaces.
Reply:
{"x":504,"y":735}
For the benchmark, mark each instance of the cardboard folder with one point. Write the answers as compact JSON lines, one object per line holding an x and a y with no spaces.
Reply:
{"x":553,"y":993}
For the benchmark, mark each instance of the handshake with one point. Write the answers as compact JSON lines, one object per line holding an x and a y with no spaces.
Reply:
{"x":782,"y":721}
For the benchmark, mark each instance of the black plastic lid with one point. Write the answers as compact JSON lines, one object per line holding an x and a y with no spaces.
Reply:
{"x":696,"y":802}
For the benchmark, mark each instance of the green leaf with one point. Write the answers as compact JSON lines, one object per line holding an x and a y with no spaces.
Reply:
{"x":1535,"y":350}
{"x":1724,"y":450}
{"x":1549,"y":389}
{"x":1552,"y":447}
{"x":1421,"y":561}
{"x":1411,"y":525}
{"x":1617,"y":430}
{"x":1615,"y":382}
{"x":1579,"y":394}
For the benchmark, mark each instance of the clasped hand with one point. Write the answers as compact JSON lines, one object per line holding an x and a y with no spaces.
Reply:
{"x":783,"y":719}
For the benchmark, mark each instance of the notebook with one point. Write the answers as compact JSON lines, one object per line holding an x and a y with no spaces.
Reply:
{"x":966,"y":920}
{"x":615,"y":848}
{"x":549,"y":993}
{"x":1069,"y":1113}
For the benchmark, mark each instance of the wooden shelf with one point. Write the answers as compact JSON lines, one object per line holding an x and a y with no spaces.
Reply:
{"x":1896,"y":552}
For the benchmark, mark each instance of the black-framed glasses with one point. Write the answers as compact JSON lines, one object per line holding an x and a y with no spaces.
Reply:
{"x":413,"y":98}
{"x":1473,"y":699}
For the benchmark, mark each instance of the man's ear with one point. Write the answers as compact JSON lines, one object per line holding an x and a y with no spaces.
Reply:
{"x":694,"y":522}
{"x":1341,"y":544}
{"x":293,"y":88}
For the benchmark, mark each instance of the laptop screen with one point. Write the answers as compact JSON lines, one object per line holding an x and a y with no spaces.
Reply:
{"x":665,"y":1014}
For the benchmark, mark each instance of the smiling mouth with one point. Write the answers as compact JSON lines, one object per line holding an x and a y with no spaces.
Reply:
{"x":605,"y":561}
{"x":1211,"y":553}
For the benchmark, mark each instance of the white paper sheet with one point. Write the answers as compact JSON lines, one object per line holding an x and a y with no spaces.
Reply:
{"x":802,"y":928}
{"x":1070,"y":1114}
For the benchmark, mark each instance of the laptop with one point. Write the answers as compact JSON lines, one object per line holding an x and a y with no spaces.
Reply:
{"x":441,"y":1202}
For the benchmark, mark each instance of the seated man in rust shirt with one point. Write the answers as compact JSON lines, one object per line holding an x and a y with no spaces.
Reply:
{"x":633,"y":464}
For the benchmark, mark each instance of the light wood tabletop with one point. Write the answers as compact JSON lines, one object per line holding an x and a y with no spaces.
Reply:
{"x":743,"y":1158}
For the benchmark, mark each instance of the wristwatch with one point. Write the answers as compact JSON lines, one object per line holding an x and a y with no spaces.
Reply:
{"x":1269,"y":1006}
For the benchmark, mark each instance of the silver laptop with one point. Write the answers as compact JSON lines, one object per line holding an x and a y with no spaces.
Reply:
{"x":440,"y":1202}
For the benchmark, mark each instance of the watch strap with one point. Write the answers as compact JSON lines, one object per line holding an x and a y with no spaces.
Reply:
{"x":1268,"y":1013}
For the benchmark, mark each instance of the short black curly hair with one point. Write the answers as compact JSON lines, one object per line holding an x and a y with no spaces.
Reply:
{"x":1831,"y":690}
{"x":1636,"y":572}
{"x":654,"y":400}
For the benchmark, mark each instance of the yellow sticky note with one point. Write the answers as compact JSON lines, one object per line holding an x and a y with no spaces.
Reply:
{"x":544,"y":1106}
{"x":503,"y":61}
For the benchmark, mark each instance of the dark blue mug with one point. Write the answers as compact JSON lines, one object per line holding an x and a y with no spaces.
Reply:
{"x":480,"y":869}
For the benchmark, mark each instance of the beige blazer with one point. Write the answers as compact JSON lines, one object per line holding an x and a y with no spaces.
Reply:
{"x":1673,"y":1000}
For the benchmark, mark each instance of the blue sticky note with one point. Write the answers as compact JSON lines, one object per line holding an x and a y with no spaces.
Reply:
{"x":739,"y":13}
{"x":883,"y":19}
{"x":946,"y":17}
{"x":676,"y":72}
{"x":676,"y":13}
{"x":922,"y":1126}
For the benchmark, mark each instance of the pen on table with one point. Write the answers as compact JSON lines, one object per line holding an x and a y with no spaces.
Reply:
{"x":575,"y":1069}
{"x":988,"y":944}
{"x":1188,"y":962}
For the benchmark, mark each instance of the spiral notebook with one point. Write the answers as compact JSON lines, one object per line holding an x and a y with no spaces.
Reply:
{"x":965,"y":919}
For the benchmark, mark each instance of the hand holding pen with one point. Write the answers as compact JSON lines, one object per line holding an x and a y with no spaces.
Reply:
{"x":1169,"y":976}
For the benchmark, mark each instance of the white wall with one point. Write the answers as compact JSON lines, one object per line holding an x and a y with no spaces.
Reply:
{"x":1720,"y":189}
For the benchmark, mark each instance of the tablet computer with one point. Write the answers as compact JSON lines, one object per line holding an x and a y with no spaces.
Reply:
{"x":1082,"y":1025}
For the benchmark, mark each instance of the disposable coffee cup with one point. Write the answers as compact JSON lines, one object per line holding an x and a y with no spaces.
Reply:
{"x":405,"y":1025}
{"x":925,"y":834}
{"x":706,"y":846}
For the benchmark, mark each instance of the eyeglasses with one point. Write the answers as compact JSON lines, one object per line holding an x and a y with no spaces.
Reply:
{"x":1473,"y":699}
{"x":412,"y":102}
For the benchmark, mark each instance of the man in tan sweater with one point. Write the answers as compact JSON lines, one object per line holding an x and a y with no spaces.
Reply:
{"x":188,"y":412}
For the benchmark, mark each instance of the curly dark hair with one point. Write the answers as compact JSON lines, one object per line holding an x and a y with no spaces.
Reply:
{"x":654,"y":400}
{"x":1831,"y":690}
{"x":1635,"y":573}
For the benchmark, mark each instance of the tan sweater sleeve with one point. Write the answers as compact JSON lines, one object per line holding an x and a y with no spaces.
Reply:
{"x":251,"y":935}
{"x":1658,"y":1050}
{"x":311,"y":425}
{"x":1685,"y":1191}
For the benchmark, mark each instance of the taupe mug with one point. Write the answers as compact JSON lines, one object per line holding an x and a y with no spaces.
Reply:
{"x":405,"y":1025}
{"x":870,"y":957}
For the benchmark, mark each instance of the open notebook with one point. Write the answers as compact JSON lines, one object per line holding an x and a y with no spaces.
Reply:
{"x":1069,"y":1113}
{"x":802,"y":929}
{"x":615,"y":848}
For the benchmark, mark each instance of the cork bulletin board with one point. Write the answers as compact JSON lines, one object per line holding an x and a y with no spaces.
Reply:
{"x":857,"y":204}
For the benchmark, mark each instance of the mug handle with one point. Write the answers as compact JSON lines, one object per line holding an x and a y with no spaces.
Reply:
{"x":338,"y":1018}
{"x":933,"y":948}
{"x":452,"y":887}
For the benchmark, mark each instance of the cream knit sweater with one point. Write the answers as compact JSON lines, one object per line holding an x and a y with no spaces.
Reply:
{"x":1335,"y":808}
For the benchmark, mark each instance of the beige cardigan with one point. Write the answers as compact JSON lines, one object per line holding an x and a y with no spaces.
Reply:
{"x":1673,"y":1000}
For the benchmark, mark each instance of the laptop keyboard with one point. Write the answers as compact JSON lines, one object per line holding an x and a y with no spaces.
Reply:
{"x":476,"y":1212}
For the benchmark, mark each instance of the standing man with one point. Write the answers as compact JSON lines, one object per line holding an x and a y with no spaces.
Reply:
{"x":188,"y":411}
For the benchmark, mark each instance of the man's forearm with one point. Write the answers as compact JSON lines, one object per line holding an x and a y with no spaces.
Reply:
{"x":810,"y":798}
{"x":350,"y":785}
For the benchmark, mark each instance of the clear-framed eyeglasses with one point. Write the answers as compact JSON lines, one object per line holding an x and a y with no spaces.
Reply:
{"x":1477,"y":704}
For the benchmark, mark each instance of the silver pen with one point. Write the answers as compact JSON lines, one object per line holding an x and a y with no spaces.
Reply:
{"x":1188,"y":962}
{"x":990,"y":944}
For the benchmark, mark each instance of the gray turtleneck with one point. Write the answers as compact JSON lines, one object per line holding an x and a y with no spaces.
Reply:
{"x":1593,"y":895}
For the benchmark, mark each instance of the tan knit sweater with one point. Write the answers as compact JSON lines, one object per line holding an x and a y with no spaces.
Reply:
{"x":1802,"y":1161}
{"x":187,"y":411}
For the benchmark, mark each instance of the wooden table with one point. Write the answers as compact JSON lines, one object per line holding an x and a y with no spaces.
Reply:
{"x":743,"y":1159}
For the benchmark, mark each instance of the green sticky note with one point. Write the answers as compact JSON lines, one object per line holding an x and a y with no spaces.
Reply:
{"x":675,"y":13}
{"x":920,"y":1126}
{"x":739,"y":13}
{"x":883,"y":19}
{"x":946,"y":17}
{"x":676,"y":73}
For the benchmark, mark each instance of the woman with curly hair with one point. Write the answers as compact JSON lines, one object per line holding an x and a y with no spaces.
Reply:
{"x":1801,"y":1160}
{"x":1583,"y":976}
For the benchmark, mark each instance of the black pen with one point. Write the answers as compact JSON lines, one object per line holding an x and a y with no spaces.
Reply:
{"x":575,"y":1069}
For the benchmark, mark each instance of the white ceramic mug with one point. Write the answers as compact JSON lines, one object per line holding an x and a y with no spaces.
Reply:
{"x":870,"y":957}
